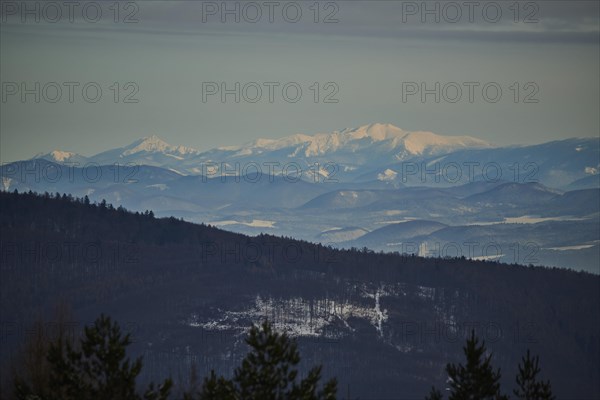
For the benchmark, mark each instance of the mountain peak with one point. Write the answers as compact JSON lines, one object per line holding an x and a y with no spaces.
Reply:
{"x":376,"y":131}
{"x":60,"y":156}
{"x":386,"y":137}
{"x":148,"y":143}
{"x":154,"y":144}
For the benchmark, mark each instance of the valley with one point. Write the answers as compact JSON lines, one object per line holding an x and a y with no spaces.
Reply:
{"x":527,"y":205}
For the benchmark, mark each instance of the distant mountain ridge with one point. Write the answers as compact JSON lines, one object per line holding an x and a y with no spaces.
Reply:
{"x":356,"y":139}
{"x":374,"y":152}
{"x":150,"y":150}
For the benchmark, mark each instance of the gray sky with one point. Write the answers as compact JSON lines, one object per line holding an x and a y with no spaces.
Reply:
{"x":369,"y":56}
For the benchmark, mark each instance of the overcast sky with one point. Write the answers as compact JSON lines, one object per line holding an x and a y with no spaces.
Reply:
{"x":370,"y":56}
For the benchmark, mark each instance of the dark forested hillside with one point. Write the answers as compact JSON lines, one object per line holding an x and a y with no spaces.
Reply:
{"x":384,"y":324}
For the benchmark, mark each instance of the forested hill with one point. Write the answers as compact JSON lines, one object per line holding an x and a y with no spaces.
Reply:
{"x":391,"y":321}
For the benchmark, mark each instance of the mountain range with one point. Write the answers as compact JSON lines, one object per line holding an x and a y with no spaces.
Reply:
{"x":537,"y":204}
{"x":372,"y":152}
{"x":349,"y":147}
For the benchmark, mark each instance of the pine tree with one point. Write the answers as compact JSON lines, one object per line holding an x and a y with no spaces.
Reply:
{"x":268,"y":372}
{"x":529,"y":388}
{"x":217,"y":388}
{"x":98,"y":368}
{"x":434,"y":394}
{"x":476,"y":380}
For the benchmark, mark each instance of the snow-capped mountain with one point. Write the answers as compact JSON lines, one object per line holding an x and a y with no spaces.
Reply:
{"x":150,"y":150}
{"x":154,"y":144}
{"x":458,"y":181}
{"x":370,"y":153}
{"x":366,"y":146}
{"x":62,"y":157}
{"x":380,"y":137}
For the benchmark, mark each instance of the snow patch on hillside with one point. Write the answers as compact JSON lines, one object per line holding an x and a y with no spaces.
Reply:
{"x":257,"y":223}
{"x":387,"y":175}
{"x":303,"y":317}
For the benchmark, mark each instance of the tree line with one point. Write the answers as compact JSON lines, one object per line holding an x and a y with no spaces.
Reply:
{"x":95,"y":366}
{"x":491,"y":292}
